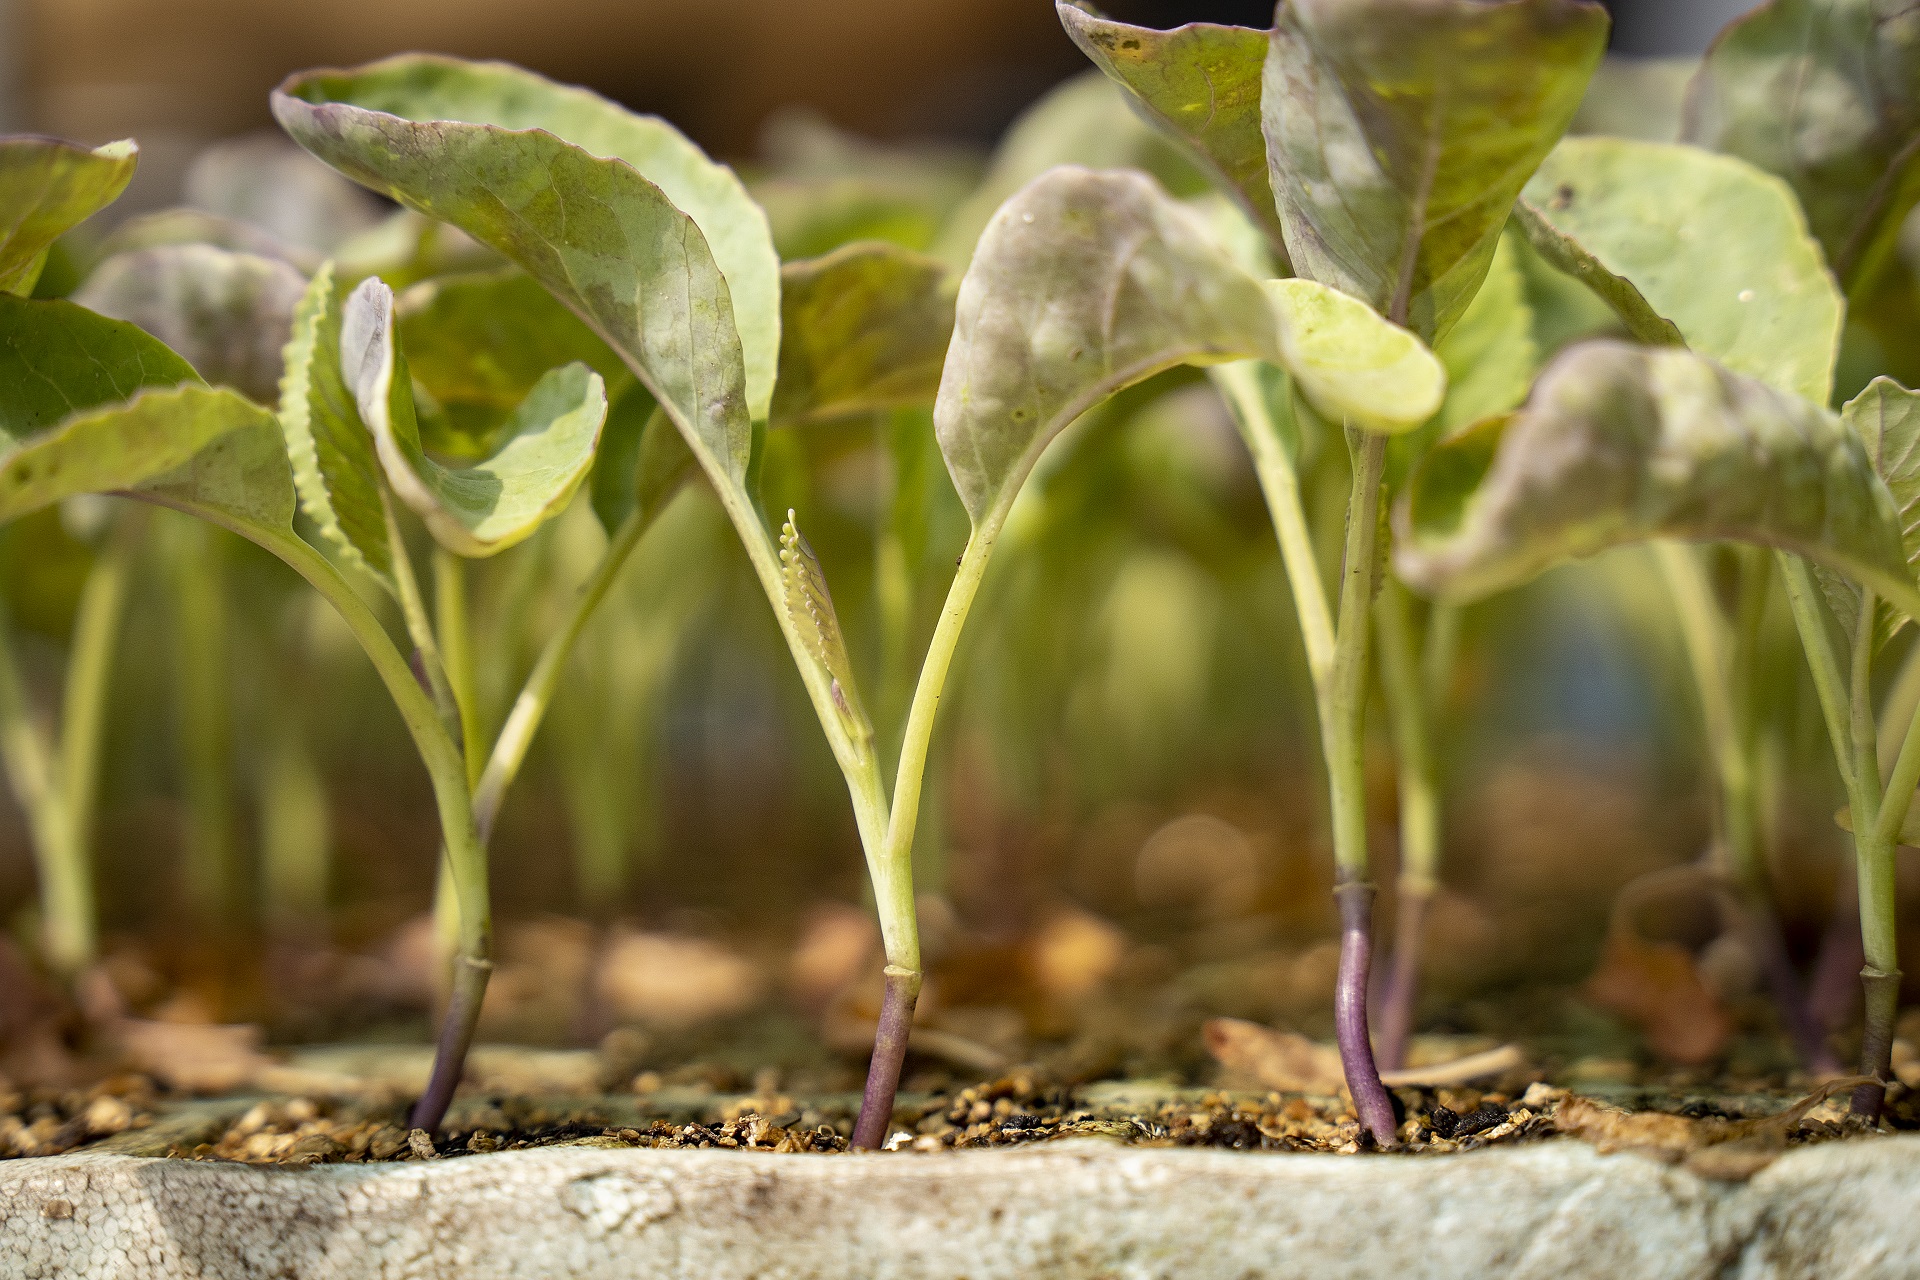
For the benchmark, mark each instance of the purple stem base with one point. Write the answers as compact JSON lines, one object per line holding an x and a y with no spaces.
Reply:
{"x":889,"y":1054}
{"x":1876,"y":1045}
{"x":456,"y":1037}
{"x":1403,"y":981}
{"x":1370,"y":1101}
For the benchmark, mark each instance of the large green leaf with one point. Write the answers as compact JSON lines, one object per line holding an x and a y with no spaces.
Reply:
{"x":156,"y":439}
{"x":1082,"y":284}
{"x":229,"y":314}
{"x":602,"y":238}
{"x":1200,"y":84}
{"x":331,"y":452}
{"x":1710,"y":245}
{"x":1400,"y":131}
{"x":1826,"y":94}
{"x":1085,"y":121}
{"x":48,"y":187}
{"x":866,"y":328}
{"x":1353,"y":367}
{"x":478,"y":343}
{"x":496,"y":151}
{"x":1886,"y":418}
{"x":1621,"y":443}
{"x":501,"y":500}
{"x":57,"y":359}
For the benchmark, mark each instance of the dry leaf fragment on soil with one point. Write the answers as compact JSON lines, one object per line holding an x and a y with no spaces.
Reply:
{"x":1288,"y":1062}
{"x":668,"y":981}
{"x":1713,"y":1147}
{"x":192,"y":1057}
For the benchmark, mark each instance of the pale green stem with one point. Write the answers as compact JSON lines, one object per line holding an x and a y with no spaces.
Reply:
{"x":893,"y":869}
{"x":66,"y":890}
{"x":536,"y":696}
{"x":413,"y":608}
{"x":83,"y":713}
{"x":1901,"y":705}
{"x":1408,"y":710}
{"x":1704,"y":632}
{"x":454,"y":630}
{"x":1816,"y":642}
{"x":200,"y":658}
{"x":1280,"y":483}
{"x":1344,"y":696}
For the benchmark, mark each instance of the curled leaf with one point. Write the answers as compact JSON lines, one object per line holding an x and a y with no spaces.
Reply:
{"x":866,"y":328}
{"x":462,"y":141}
{"x":485,"y":508}
{"x":1084,"y":283}
{"x":1621,"y":443}
{"x":48,"y":187}
{"x":1351,"y":365}
{"x":597,"y":234}
{"x":1200,"y":85}
{"x":1400,"y":131}
{"x":332,"y":454}
{"x":477,"y":343}
{"x":810,"y":608}
{"x":229,"y":314}
{"x":1691,"y":246}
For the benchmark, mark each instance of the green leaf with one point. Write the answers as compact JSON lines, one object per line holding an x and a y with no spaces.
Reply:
{"x":810,"y":610}
{"x":155,"y":439}
{"x":1083,"y":284}
{"x":1200,"y":85}
{"x":502,"y":500}
{"x":458,"y":141}
{"x":865,"y":328}
{"x":1085,"y":121}
{"x":229,"y":314}
{"x":478,"y":343}
{"x":1621,"y":443}
{"x":1490,"y":356}
{"x":1714,"y":249}
{"x":48,"y":187}
{"x":334,"y":468}
{"x":1352,"y":366}
{"x":1400,"y":131}
{"x":599,"y":236}
{"x":1886,"y":418}
{"x":1825,"y":94}
{"x":57,"y":359}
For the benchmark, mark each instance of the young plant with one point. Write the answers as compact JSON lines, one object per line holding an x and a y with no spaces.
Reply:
{"x":1379,"y":146}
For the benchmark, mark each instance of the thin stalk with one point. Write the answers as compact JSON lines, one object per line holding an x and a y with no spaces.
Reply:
{"x":1873,"y":844}
{"x":1280,"y":484}
{"x":892,"y":867}
{"x":465,"y":856}
{"x":66,"y":891}
{"x":536,"y":695}
{"x":83,"y":712}
{"x":413,"y":609}
{"x":200,"y":658}
{"x":453,"y":628}
{"x":1342,"y":731}
{"x":1409,"y":711}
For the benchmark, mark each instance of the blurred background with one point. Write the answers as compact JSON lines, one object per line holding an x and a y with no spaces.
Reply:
{"x":1126,"y":799}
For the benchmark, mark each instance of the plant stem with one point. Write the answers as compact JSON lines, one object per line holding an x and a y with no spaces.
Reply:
{"x":83,"y":712}
{"x":1408,"y":709}
{"x":1343,"y":711}
{"x":454,"y":630}
{"x":1280,"y":485}
{"x":66,"y":891}
{"x":465,"y":856}
{"x":892,"y":869}
{"x":413,"y":609}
